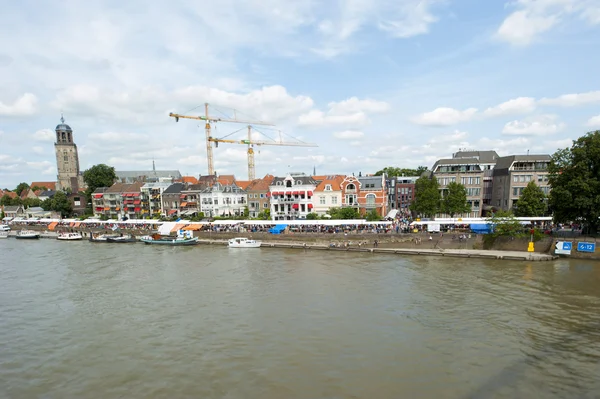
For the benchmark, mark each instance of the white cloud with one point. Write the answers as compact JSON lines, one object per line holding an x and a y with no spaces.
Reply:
{"x":573,"y":100}
{"x":350,"y":112}
{"x":520,"y":105}
{"x":594,"y":121}
{"x":23,"y":106}
{"x":444,"y":116}
{"x":399,"y":19}
{"x":38,"y":150}
{"x":535,"y":126}
{"x":44,"y":135}
{"x":521,"y":27}
{"x":534,"y":17}
{"x":348,"y":135}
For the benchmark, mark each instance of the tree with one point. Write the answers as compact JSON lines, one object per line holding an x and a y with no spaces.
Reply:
{"x":61,"y":203}
{"x":30,"y":202}
{"x":264,"y":215}
{"x":575,"y":181}
{"x":343,"y":213}
{"x":427,"y":197}
{"x":100,"y":175}
{"x":246,"y":212}
{"x":455,"y":201}
{"x":505,"y":224}
{"x":372,"y":216}
{"x":312,"y":216}
{"x":6,"y":200}
{"x":532,"y":202}
{"x":392,"y":171}
{"x":21,"y":187}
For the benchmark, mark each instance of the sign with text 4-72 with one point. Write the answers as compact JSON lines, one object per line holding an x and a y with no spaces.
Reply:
{"x":586,"y":247}
{"x":563,"y":248}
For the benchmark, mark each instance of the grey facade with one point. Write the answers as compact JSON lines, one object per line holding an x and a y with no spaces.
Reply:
{"x":472,"y":169}
{"x":147,"y":176}
{"x":171,"y":199}
{"x":513,"y":173}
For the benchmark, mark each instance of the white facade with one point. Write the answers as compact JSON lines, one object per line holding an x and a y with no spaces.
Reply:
{"x":327,"y":198}
{"x":221,"y":200}
{"x":292,"y":197}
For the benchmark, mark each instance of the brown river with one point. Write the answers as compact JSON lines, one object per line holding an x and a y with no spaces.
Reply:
{"x":83,"y":320}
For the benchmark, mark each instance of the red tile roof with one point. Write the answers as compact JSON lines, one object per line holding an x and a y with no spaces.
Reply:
{"x":335,"y":182}
{"x":243,"y":184}
{"x":226,"y":179}
{"x":261,"y":184}
{"x":50,"y":185}
{"x":189,"y":179}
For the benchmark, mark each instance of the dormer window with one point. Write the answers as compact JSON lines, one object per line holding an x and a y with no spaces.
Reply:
{"x":288,"y":183}
{"x":328,"y":187}
{"x":298,"y":182}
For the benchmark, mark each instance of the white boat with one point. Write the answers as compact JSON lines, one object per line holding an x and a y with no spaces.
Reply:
{"x":69,"y":236}
{"x":3,"y":234}
{"x":242,"y":242}
{"x":27,"y":234}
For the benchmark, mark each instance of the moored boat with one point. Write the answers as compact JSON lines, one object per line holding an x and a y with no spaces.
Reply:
{"x":242,"y":242}
{"x":157,"y":239}
{"x":122,"y":239}
{"x":69,"y":237}
{"x":3,"y":234}
{"x":27,"y":235}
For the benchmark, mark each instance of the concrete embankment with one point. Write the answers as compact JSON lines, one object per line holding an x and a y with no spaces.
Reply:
{"x":458,"y":253}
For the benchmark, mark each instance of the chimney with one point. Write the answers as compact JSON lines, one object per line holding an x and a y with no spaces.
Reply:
{"x":359,"y":174}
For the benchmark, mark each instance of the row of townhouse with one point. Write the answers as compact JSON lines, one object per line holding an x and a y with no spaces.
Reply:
{"x":286,"y":198}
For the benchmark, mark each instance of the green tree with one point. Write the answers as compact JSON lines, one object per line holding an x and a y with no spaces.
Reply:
{"x":312,"y":216}
{"x":343,"y":213}
{"x":455,"y":201}
{"x":246,"y":212}
{"x":264,"y":215}
{"x":505,"y":224}
{"x":35,"y":188}
{"x":61,"y":203}
{"x":372,"y":216}
{"x":21,"y":187}
{"x":427,"y":197}
{"x":100,"y":175}
{"x":575,"y":181}
{"x":532,"y":202}
{"x":392,"y":171}
{"x":29,"y":202}
{"x":7,"y":201}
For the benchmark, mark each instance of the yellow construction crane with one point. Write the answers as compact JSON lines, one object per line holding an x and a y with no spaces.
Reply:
{"x":249,"y":142}
{"x":207,"y":128}
{"x":208,"y":119}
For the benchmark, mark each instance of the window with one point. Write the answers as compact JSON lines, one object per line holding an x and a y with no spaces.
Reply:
{"x":262,"y":196}
{"x":473,"y":192}
{"x":328,"y":187}
{"x":334,"y":200}
{"x":278,"y":183}
{"x":65,"y":156}
{"x":322,"y":200}
{"x":350,"y":187}
{"x":265,"y":205}
{"x":370,"y":200}
{"x":216,"y":201}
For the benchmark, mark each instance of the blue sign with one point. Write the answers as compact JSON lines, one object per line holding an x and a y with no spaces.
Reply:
{"x":586,"y":247}
{"x":567,"y":246}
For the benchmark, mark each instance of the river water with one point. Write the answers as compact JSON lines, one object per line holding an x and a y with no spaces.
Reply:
{"x":82,"y":320}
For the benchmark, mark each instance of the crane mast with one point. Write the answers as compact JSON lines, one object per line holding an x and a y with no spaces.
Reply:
{"x":249,"y":142}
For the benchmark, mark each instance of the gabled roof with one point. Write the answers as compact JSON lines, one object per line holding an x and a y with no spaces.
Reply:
{"x":125,"y":188}
{"x":50,"y":185}
{"x":189,"y":180}
{"x":243,"y":184}
{"x":335,"y":182}
{"x":12,"y":208}
{"x":226,"y":179}
{"x":261,"y":184}
{"x":319,"y":177}
{"x":11,"y":194}
{"x":174,"y":188}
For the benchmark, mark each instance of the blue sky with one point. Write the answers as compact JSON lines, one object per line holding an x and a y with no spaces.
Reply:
{"x":373,"y":82}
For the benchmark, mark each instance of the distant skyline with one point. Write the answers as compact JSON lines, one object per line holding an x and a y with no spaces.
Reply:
{"x":374,"y":83}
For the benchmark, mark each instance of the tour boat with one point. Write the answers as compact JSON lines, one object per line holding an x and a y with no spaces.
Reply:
{"x":242,"y":242}
{"x":27,"y":235}
{"x":69,"y":236}
{"x":164,"y":240}
{"x":121,"y":239}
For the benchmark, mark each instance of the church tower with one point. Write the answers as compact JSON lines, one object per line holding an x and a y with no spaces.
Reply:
{"x":67,"y":159}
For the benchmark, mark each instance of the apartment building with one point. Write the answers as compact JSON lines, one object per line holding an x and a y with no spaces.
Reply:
{"x":472,"y":169}
{"x":513,"y":173}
